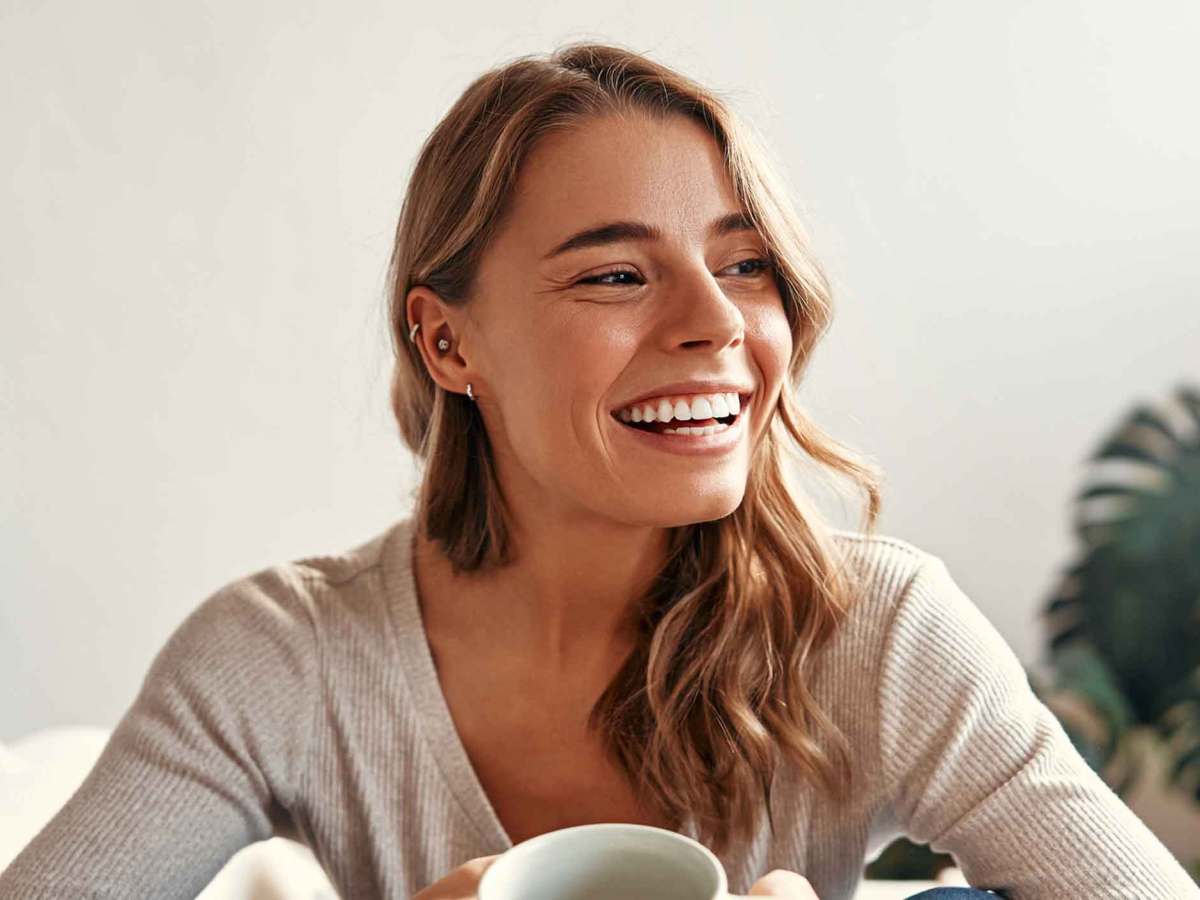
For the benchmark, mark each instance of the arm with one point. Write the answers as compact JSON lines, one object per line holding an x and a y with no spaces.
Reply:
{"x":978,"y":767}
{"x":207,"y":759}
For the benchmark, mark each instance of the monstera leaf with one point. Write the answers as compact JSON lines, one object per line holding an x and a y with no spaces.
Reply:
{"x":1125,"y":615}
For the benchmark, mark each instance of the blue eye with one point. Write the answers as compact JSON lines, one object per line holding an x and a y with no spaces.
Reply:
{"x":759,"y":265}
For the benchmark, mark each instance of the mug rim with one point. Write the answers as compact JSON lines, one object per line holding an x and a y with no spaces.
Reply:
{"x":538,"y":839}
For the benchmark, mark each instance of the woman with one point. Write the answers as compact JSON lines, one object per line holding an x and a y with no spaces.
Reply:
{"x":609,"y":604}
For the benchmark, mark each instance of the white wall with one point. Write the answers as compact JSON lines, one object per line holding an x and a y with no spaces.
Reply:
{"x":197,"y":208}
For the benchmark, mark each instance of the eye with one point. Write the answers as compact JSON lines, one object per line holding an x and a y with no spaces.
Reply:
{"x":595,"y":279}
{"x":758,"y":266}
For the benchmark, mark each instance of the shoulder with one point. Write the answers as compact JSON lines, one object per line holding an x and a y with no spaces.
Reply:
{"x":924,"y":652}
{"x":907,"y":615}
{"x":875,"y":542}
{"x":925,"y":636}
{"x":305,"y":583}
{"x":882,"y":568}
{"x":274,"y":612}
{"x":908,"y":592}
{"x":879,"y":571}
{"x":339,"y":567}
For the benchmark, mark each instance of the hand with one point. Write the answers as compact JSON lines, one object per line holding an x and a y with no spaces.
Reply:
{"x":782,"y":883}
{"x":461,"y":883}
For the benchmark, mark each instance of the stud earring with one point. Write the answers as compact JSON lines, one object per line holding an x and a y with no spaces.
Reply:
{"x":442,"y":343}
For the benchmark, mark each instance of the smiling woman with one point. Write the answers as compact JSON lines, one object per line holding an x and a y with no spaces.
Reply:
{"x":611,"y":603}
{"x":623,"y":253}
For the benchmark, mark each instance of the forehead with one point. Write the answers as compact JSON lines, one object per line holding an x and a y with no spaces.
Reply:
{"x":667,"y":172}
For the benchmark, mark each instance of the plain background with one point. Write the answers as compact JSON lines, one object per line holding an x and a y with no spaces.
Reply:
{"x":197,"y":212}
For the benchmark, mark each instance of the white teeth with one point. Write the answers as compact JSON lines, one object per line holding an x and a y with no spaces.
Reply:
{"x":700,"y":407}
{"x":697,"y":429}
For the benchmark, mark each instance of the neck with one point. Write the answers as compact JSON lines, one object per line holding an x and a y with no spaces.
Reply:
{"x":567,"y":601}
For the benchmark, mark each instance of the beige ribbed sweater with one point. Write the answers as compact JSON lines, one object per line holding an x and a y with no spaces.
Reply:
{"x":303,"y":700}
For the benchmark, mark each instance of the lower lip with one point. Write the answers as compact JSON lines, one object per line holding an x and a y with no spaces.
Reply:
{"x":693,"y":444}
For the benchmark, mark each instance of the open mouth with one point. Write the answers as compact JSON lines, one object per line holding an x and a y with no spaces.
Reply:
{"x":684,"y":418}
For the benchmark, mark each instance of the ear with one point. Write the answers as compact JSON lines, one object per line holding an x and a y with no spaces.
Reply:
{"x":439,"y":321}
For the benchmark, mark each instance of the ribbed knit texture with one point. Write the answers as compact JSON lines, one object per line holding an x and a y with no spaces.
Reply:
{"x":303,"y":701}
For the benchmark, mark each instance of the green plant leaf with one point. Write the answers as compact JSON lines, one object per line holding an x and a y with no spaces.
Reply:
{"x":1124,"y":620}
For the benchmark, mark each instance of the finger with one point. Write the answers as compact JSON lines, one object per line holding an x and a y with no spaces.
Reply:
{"x":460,"y":884}
{"x":479,"y":864}
{"x":782,"y":883}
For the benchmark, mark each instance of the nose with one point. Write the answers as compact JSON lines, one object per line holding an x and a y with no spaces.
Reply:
{"x":702,"y":317}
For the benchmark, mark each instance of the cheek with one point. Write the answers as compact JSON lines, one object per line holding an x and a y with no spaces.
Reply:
{"x":560,"y":381}
{"x":770,"y":337}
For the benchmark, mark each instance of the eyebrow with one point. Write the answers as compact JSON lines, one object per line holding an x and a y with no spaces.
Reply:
{"x":613,"y":232}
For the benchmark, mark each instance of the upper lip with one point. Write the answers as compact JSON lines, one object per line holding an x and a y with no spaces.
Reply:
{"x":705,"y":386}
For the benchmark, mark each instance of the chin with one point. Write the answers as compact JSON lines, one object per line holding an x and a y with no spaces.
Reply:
{"x":671,"y":512}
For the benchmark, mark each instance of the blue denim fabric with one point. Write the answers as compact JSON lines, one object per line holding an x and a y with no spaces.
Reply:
{"x":954,"y":893}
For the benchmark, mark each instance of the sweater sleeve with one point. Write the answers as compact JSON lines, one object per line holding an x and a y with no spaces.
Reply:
{"x":978,"y":767}
{"x":207,"y":759}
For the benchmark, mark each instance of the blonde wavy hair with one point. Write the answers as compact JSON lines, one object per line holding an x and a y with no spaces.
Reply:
{"x":714,"y":691}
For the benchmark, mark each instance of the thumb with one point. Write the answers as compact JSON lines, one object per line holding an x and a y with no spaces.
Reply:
{"x":784,"y":884}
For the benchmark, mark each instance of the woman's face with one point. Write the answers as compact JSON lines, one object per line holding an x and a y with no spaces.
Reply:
{"x":660,"y":317}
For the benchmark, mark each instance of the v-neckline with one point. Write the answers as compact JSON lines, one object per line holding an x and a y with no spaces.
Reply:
{"x":431,"y":708}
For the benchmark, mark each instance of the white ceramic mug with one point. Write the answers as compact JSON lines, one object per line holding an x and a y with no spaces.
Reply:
{"x":606,"y":861}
